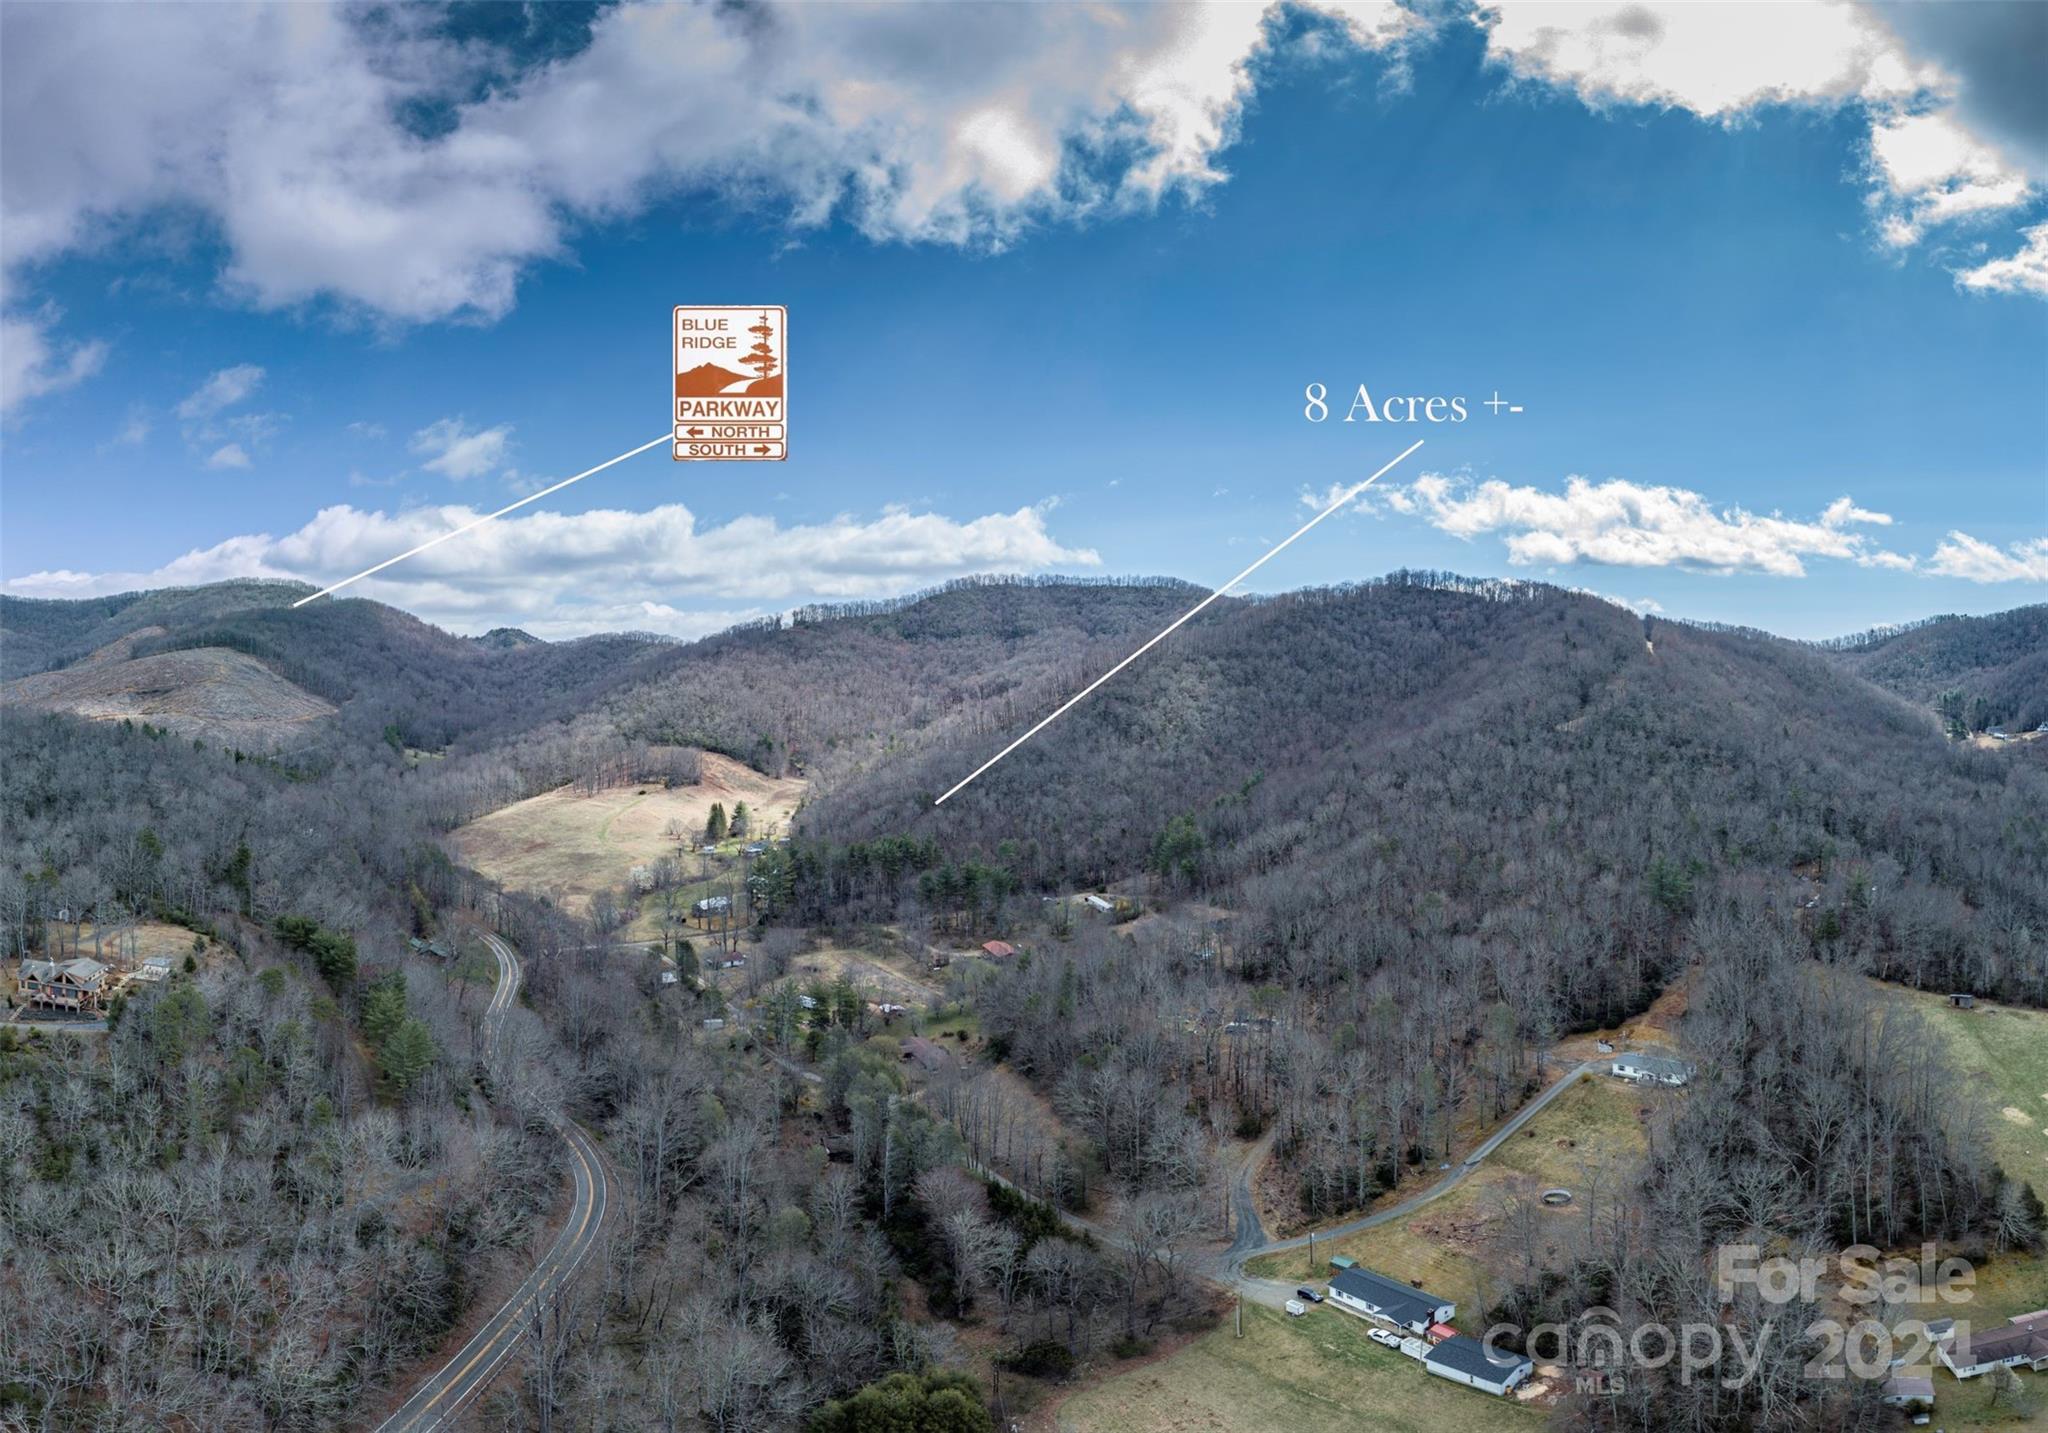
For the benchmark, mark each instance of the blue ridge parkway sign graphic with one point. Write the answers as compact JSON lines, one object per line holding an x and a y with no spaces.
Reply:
{"x":732,"y":383}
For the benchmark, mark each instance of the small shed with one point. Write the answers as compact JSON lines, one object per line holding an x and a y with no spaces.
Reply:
{"x":1962,"y":1000}
{"x":1909,"y":1391}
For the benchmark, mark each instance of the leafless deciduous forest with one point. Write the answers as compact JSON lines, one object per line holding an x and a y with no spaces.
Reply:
{"x":1392,"y":842}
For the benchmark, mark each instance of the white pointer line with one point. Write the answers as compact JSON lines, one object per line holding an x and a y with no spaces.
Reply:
{"x":471,"y":526}
{"x":1271,"y":553}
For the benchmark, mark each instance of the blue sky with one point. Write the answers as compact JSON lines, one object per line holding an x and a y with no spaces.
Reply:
{"x":1071,"y":332}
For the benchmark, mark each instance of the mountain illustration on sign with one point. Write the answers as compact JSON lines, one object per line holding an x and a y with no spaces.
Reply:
{"x":711,"y":380}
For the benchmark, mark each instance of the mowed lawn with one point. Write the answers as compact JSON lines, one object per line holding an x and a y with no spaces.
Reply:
{"x":1289,"y":1376}
{"x":569,"y":845}
{"x":2002,"y":1054}
{"x":1593,"y":1129}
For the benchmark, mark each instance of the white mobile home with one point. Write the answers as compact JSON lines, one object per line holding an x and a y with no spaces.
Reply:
{"x":1375,"y":1296}
{"x":2022,"y":1343}
{"x":1652,"y":1069}
{"x":1466,"y":1360}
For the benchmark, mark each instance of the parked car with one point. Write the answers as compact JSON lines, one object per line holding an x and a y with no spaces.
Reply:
{"x":1296,"y":1308}
{"x":1310,"y":1294}
{"x":1381,"y":1336}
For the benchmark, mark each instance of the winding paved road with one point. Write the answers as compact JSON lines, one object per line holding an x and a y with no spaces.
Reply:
{"x":466,"y":1375}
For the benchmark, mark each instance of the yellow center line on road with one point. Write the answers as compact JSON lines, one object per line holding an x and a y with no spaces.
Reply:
{"x":595,"y":1194}
{"x":527,"y":1302}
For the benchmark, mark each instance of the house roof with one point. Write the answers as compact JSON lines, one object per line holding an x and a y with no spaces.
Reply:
{"x":998,"y":947}
{"x":83,"y":970}
{"x":1400,"y":1302}
{"x":1654,"y":1064}
{"x":1909,"y":1386}
{"x":1469,"y":1356}
{"x":1994,"y":1345}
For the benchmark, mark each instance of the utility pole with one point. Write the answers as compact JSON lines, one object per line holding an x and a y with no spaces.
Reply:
{"x":1240,"y":1315}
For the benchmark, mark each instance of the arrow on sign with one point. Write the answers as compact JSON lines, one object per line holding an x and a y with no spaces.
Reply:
{"x":695,"y":432}
{"x":761,"y":449}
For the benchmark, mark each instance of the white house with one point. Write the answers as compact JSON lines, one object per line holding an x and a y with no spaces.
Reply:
{"x":154,"y":968}
{"x":1099,"y":903}
{"x":1652,"y":1069}
{"x":1466,"y":1360}
{"x":711,"y":906}
{"x":2022,"y":1343}
{"x":1375,"y":1296}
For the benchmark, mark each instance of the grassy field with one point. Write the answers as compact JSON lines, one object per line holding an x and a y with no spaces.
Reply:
{"x":118,"y":945}
{"x":1288,"y":1376}
{"x":898,"y":979}
{"x":1594,"y":1126}
{"x":569,"y":845}
{"x":2002,"y":1053}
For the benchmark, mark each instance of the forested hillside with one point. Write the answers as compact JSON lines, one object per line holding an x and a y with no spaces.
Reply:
{"x":1979,"y":672}
{"x":1517,"y":764}
{"x":1391,"y":843}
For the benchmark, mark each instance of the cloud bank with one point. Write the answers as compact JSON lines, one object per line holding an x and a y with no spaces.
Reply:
{"x":561,"y":575}
{"x":1618,"y":523}
{"x":363,"y":158}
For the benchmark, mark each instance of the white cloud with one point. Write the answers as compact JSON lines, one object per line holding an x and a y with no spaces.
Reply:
{"x":563,"y":574}
{"x":1625,"y":524}
{"x":1937,"y":172}
{"x":458,"y":451}
{"x":1974,"y":560}
{"x":228,"y":455}
{"x":1718,"y":61}
{"x":220,"y":391}
{"x":1930,"y":159}
{"x":282,"y":122}
{"x":2023,"y":273}
{"x":134,"y":429}
{"x":32,"y":363}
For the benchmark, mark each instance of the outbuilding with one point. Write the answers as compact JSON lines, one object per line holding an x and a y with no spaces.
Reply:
{"x":1909,"y":1391}
{"x":1466,"y":1360}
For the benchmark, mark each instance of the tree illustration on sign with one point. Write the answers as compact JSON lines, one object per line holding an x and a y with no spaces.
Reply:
{"x":761,"y":358}
{"x":713,"y":380}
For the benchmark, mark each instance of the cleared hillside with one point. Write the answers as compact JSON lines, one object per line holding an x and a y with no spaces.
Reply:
{"x":209,"y":693}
